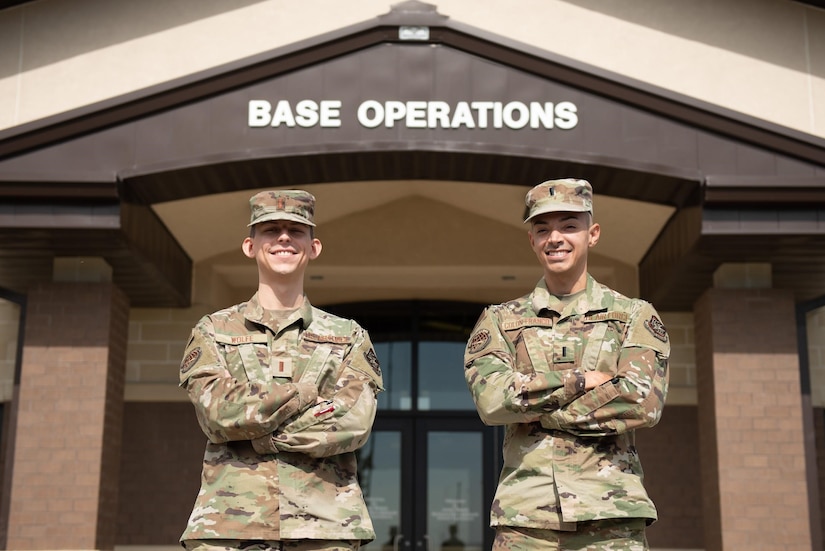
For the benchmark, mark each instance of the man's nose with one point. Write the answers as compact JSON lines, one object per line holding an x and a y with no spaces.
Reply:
{"x":555,"y":236}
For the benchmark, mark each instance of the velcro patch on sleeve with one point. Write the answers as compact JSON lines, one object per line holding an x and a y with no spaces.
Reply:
{"x":478,"y":341}
{"x":656,"y":328}
{"x":190,"y":359}
{"x":647,"y":330}
{"x":372,"y":360}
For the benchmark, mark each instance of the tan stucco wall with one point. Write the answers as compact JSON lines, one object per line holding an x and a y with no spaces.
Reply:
{"x":763,"y":58}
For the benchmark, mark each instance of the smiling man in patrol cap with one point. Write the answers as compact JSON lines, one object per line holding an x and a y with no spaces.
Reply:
{"x":285,"y":394}
{"x":571,"y":370}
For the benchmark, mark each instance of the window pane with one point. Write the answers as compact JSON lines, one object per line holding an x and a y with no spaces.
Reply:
{"x":815,"y":329}
{"x":9,"y":334}
{"x":379,"y":465}
{"x":441,"y":376}
{"x":455,"y":519}
{"x":395,"y":358}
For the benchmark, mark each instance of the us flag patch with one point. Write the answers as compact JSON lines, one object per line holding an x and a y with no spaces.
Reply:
{"x":372,"y":359}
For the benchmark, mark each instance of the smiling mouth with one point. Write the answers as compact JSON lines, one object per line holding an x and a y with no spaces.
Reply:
{"x":556,"y":253}
{"x":282,"y":253}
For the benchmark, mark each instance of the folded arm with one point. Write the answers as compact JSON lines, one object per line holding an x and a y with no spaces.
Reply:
{"x":229,"y":408}
{"x":634,"y":397}
{"x":504,"y":394}
{"x":341,"y":420}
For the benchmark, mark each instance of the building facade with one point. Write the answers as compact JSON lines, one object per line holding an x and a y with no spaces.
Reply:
{"x":133,"y":134}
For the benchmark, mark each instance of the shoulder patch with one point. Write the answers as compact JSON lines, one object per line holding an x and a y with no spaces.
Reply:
{"x":478,"y":341}
{"x":372,"y":359}
{"x":656,"y":328}
{"x":335,"y":339}
{"x":190,"y":359}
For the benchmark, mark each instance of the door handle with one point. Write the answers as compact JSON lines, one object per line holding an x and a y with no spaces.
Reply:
{"x":424,"y":543}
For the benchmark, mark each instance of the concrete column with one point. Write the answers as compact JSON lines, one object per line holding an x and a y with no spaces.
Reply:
{"x":751,"y":421}
{"x":66,"y":455}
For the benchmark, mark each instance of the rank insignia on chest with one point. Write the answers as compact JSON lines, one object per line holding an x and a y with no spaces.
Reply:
{"x":282,"y":367}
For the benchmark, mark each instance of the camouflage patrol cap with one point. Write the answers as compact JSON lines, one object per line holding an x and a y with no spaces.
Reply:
{"x":290,"y":204}
{"x":564,"y":195}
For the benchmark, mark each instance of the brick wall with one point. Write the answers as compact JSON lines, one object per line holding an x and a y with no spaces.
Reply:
{"x":750,"y":410}
{"x":69,"y":419}
{"x":670,"y":457}
{"x":160,"y":472}
{"x":157,"y":338}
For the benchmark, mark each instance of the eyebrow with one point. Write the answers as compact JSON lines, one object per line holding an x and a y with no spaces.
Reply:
{"x":571,"y":216}
{"x":279,"y":223}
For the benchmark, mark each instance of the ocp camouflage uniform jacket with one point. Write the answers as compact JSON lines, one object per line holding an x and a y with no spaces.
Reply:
{"x":284,"y":407}
{"x":569,"y":455}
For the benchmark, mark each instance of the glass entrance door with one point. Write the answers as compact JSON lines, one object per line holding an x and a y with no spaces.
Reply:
{"x":429,"y":469}
{"x":428,"y":484}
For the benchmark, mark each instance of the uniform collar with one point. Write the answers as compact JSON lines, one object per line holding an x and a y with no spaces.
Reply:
{"x":256,"y":313}
{"x":594,"y":298}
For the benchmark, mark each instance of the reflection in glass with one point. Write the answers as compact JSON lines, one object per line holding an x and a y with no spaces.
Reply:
{"x":395,"y":358}
{"x":441,"y":382}
{"x":379,"y":472}
{"x":815,"y":332}
{"x":9,"y":335}
{"x":454,"y":491}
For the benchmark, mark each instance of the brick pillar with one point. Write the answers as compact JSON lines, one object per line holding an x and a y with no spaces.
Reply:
{"x":751,"y":424}
{"x":69,"y":418}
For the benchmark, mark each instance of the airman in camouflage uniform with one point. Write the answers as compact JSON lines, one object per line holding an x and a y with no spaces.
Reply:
{"x":571,"y":370}
{"x":285,"y":394}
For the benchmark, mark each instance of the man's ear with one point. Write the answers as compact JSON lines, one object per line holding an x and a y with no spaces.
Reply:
{"x":595,"y":232}
{"x":315,"y":249}
{"x":247,"y":248}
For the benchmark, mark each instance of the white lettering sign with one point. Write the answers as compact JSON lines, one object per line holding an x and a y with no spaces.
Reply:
{"x":307,"y":113}
{"x":514,"y":115}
